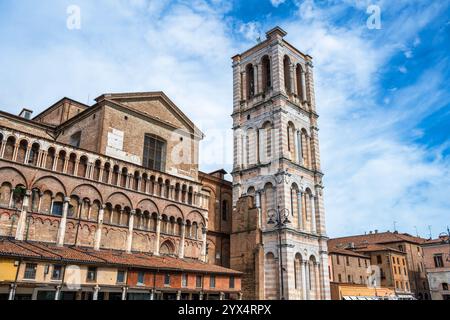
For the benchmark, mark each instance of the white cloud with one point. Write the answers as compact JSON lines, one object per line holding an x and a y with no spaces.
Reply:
{"x":276,"y":3}
{"x":402,"y":69}
{"x":250,"y":30}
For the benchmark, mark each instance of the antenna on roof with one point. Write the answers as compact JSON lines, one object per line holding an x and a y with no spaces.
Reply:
{"x":395,"y":226}
{"x":429,"y":229}
{"x":417,"y":232}
{"x":89,"y":99}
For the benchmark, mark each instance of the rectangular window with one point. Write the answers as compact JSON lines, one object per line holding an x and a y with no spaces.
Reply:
{"x":224,"y":210}
{"x":92,"y":274}
{"x":340,"y":277}
{"x":359,"y":262}
{"x":231,"y":282}
{"x":212,"y":282}
{"x":379,"y":260}
{"x":198,"y":281}
{"x":30,"y":271}
{"x":167,"y":279}
{"x":75,"y":140}
{"x":184,"y":280}
{"x":57,"y":272}
{"x":438,"y":262}
{"x":140,"y":279}
{"x":154,"y":153}
{"x":120,"y":276}
{"x":338,"y":260}
{"x":57,"y":209}
{"x":347,"y":260}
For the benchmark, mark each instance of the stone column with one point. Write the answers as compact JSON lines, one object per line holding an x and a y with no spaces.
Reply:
{"x":292,"y":72}
{"x":2,"y":149}
{"x":222,"y":296}
{"x":63,"y":222}
{"x":303,"y":81}
{"x":318,"y":282}
{"x":304,"y":281}
{"x":152,"y":294}
{"x":299,"y":209}
{"x":98,"y":232}
{"x":12,"y":292}
{"x":124,"y":293}
{"x":41,"y":194}
{"x":313,"y":214}
{"x":255,"y":79}
{"x":58,"y":293}
{"x":55,"y":162}
{"x":258,"y":206}
{"x":324,"y":283}
{"x":75,"y":170}
{"x":15,"y":152}
{"x":51,"y":205}
{"x":21,"y":225}
{"x":300,"y":147}
{"x":130,"y":231}
{"x":27,"y":155}
{"x":183,"y":236}
{"x":204,"y":231}
{"x":101,"y":173}
{"x":158,"y":235}
{"x":95,"y":295}
{"x":178,"y":295}
{"x":66,"y":164}
{"x":296,"y":144}
{"x":139,"y":183}
{"x":308,"y":281}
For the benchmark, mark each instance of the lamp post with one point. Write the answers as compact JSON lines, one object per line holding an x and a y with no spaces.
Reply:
{"x":279,"y":218}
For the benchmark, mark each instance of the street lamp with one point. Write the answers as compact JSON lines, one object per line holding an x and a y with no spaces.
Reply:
{"x":279,"y":218}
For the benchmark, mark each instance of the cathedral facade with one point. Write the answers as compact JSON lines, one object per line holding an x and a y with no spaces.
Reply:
{"x":278,"y":239}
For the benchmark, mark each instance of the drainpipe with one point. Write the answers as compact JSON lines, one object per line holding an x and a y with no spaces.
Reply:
{"x":58,"y":292}
{"x":12,"y":293}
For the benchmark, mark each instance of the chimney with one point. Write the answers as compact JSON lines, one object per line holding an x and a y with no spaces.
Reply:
{"x":26,"y":113}
{"x":376,"y":231}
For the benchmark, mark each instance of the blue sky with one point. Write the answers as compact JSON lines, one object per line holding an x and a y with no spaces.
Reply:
{"x":382,"y":94}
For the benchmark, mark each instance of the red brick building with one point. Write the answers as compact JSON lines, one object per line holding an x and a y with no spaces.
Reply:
{"x":120,"y":175}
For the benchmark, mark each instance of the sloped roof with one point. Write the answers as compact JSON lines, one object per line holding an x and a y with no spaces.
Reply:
{"x":346,"y":252}
{"x":376,"y":247}
{"x":50,"y":252}
{"x":376,"y":238}
{"x":120,"y":98}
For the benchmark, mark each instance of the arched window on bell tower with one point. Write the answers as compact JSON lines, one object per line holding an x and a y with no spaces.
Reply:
{"x":249,"y":70}
{"x":287,"y":74}
{"x":266,"y":73}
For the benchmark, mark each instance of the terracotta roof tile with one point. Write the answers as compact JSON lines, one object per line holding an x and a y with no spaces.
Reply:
{"x":375,"y":238}
{"x":47,"y":251}
{"x":347,"y":252}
